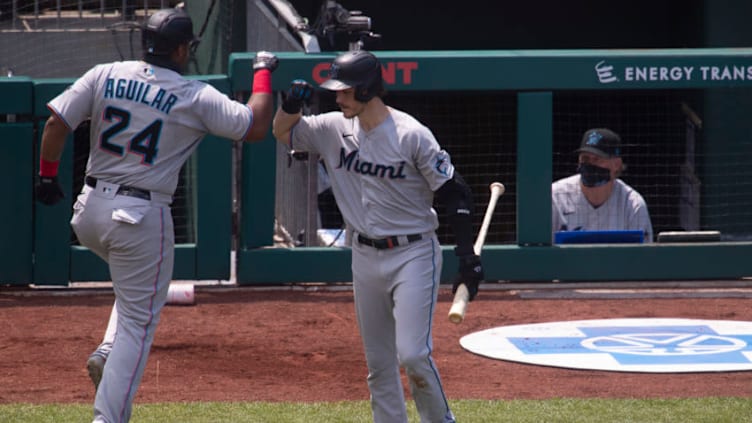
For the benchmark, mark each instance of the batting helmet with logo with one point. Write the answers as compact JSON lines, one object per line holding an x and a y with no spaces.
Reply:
{"x":165,"y":30}
{"x":358,"y":69}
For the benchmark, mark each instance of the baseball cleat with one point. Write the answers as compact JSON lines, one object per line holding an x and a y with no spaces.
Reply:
{"x":95,"y":366}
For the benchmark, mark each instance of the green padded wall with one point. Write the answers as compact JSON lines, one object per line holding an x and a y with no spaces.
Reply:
{"x":16,"y":174}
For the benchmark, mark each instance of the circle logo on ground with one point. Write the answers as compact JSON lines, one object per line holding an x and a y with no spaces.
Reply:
{"x":622,"y":345}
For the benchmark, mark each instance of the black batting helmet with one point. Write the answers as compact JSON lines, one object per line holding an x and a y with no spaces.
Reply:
{"x":356,"y":69}
{"x":165,"y":30}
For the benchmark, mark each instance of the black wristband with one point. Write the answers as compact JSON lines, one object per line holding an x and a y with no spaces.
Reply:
{"x":292,"y":106}
{"x":462,"y":227}
{"x":464,"y":250}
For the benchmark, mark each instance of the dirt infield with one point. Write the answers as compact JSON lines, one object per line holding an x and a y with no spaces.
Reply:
{"x":239,"y":344}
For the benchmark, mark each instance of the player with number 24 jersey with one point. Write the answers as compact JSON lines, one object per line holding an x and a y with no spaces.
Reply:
{"x":149,"y":121}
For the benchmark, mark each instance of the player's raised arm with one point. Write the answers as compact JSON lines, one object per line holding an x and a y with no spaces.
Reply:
{"x":288,"y":114}
{"x":261,"y":100}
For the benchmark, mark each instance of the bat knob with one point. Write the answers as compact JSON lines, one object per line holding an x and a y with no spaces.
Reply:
{"x":459,"y":304}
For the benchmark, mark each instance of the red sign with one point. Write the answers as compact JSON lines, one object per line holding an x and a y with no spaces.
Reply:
{"x":391,"y":72}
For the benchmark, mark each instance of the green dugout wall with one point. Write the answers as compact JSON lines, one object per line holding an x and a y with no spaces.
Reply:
{"x":535,"y":76}
{"x":16,"y":212}
{"x":36,"y":239}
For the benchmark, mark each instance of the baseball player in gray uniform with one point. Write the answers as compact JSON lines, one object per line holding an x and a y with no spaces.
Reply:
{"x":385,"y":168}
{"x":146,"y":120}
{"x":595,"y":199}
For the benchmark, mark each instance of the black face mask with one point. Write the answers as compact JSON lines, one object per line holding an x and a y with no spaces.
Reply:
{"x":593,"y":176}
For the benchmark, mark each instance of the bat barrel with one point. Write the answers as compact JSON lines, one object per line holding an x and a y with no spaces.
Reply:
{"x":497,"y":189}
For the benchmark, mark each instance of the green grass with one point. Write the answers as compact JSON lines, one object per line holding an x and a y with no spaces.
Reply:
{"x":710,"y":410}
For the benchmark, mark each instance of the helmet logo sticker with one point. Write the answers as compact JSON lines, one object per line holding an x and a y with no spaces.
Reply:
{"x":334,"y":70}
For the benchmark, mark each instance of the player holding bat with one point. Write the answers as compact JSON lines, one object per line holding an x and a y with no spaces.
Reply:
{"x":461,"y":291}
{"x":385,"y":168}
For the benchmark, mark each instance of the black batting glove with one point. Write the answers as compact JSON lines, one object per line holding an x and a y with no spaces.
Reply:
{"x":265,"y":60}
{"x":48,"y":190}
{"x":470,"y":273}
{"x":299,"y":92}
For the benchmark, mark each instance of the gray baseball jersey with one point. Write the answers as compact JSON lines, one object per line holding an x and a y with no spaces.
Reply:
{"x":384,"y":182}
{"x":400,"y":165}
{"x":149,"y":121}
{"x":145,"y":123}
{"x":625,"y":209}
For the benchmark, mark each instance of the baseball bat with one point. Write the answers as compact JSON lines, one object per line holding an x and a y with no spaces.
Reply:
{"x":462,"y":296}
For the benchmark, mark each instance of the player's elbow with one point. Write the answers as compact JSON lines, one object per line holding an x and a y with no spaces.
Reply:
{"x":56,"y":128}
{"x":55,"y":123}
{"x":281,"y":131}
{"x":257,"y":132}
{"x":456,"y":196}
{"x":281,"y":136}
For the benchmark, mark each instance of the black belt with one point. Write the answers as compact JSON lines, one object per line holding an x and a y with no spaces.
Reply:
{"x":387,"y":243}
{"x":123,"y":189}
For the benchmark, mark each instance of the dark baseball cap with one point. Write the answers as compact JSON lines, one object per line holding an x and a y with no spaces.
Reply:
{"x":601,"y":142}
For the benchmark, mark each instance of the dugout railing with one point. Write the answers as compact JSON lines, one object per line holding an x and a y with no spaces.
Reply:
{"x":37,"y":246}
{"x":533,"y":78}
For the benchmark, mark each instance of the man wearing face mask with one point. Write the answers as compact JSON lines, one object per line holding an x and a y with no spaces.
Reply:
{"x":595,"y":199}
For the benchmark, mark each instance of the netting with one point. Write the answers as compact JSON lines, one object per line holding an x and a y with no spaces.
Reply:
{"x":652,"y":127}
{"x":63,"y":39}
{"x":687,"y":151}
{"x":479,"y":132}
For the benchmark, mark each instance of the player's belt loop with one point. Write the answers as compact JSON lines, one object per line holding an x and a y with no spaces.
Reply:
{"x":123,"y":189}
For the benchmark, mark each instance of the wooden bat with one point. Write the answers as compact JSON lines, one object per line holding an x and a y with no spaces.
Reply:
{"x":462,"y":296}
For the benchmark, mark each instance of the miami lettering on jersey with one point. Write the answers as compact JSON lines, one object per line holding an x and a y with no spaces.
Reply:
{"x":138,"y":91}
{"x":351,"y":162}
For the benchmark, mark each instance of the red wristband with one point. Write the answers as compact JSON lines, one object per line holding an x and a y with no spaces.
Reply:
{"x":262,"y":82}
{"x":48,"y":168}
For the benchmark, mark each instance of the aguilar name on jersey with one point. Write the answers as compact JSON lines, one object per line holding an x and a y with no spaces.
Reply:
{"x":132,"y":147}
